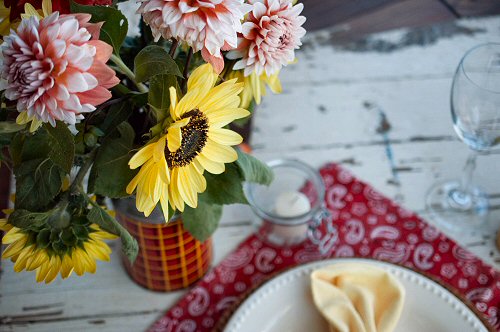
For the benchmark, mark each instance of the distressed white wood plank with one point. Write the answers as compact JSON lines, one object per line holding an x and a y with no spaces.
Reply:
{"x":430,"y":51}
{"x":326,"y":115}
{"x":122,"y":323}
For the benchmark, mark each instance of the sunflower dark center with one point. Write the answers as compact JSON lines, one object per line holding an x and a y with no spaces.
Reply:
{"x":194,"y":138}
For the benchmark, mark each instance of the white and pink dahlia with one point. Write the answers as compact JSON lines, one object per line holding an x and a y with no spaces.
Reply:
{"x":55,"y":67}
{"x":271,"y":34}
{"x":208,"y":26}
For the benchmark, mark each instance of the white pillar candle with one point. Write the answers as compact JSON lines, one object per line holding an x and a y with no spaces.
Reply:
{"x":289,"y":204}
{"x":292,"y":204}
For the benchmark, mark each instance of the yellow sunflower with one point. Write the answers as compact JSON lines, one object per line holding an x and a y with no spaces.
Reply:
{"x":195,"y":141}
{"x":25,"y":251}
{"x":255,"y":86}
{"x":153,"y":177}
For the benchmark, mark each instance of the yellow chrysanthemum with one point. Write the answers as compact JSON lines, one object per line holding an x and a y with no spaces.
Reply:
{"x":5,"y":23}
{"x":29,"y":10}
{"x":255,"y":86}
{"x":24,"y":251}
{"x":195,"y":141}
{"x":153,"y":177}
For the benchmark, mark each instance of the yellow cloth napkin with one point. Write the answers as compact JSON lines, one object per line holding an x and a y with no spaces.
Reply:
{"x":357,"y":297}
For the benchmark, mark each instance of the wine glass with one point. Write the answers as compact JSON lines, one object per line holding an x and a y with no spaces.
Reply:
{"x":475,"y":108}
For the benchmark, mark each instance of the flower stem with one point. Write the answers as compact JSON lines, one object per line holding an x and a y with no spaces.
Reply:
{"x":175,"y":43}
{"x":125,"y":70}
{"x":83,"y":171}
{"x":186,"y":68}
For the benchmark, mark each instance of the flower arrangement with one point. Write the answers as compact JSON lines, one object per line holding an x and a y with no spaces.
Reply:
{"x":88,"y":113}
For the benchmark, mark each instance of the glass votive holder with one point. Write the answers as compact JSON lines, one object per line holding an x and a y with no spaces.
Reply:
{"x":291,"y":209}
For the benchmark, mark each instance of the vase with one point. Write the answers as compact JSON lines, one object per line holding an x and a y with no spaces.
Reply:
{"x":169,"y":258}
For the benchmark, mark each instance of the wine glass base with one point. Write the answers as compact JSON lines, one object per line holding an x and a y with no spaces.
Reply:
{"x":457,"y":212}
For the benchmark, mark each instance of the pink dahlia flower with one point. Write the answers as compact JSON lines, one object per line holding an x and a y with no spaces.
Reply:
{"x":208,"y":26}
{"x":271,"y":34}
{"x":55,"y":68}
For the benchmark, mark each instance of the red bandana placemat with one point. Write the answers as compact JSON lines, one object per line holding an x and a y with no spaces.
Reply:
{"x":369,"y":225}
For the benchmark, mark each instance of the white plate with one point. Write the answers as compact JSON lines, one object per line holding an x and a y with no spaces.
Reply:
{"x":285,"y":304}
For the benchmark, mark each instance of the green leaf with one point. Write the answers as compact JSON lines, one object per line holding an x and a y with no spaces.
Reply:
{"x":28,"y":220}
{"x":225,"y":188}
{"x":99,"y":216}
{"x":202,"y":221}
{"x":154,"y":60}
{"x":61,"y":144}
{"x":16,"y":148}
{"x":159,"y":94}
{"x":115,"y":27}
{"x":253,"y":169}
{"x":7,"y":127}
{"x":116,"y":115}
{"x":110,"y":173}
{"x":38,"y":182}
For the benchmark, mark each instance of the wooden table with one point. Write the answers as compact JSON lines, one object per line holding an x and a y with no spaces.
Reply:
{"x":379,"y":107}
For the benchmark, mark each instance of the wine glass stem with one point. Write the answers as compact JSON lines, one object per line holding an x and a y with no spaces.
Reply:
{"x":461,"y":197}
{"x":469,"y":168}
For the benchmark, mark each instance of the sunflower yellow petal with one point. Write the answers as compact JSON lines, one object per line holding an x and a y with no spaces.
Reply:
{"x":174,"y":137}
{"x":199,"y":168}
{"x":96,"y":252}
{"x":42,"y":271}
{"x":221,"y":118}
{"x":197,"y":180}
{"x":164,"y":204}
{"x":202,"y":78}
{"x":66,"y":267}
{"x":220,"y":93}
{"x":13,"y":235}
{"x":173,"y":101}
{"x":133,"y":184}
{"x":189,"y":102}
{"x":221,"y":105}
{"x":211,"y":166}
{"x":22,"y":259}
{"x":142,"y":156}
{"x":225,"y":136}
{"x":100,"y":234}
{"x":186,"y":189}
{"x":55,"y":262}
{"x":4,"y":225}
{"x":159,"y":149}
{"x":78,"y":261}
{"x":219,"y":153}
{"x":14,"y":248}
{"x":102,"y":246}
{"x":38,"y":258}
{"x":90,"y":264}
{"x":173,"y":195}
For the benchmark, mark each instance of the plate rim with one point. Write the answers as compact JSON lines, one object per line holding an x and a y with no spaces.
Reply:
{"x":449,"y":290}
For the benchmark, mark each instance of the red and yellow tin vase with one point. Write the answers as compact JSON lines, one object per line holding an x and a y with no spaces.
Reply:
{"x":169,"y":257}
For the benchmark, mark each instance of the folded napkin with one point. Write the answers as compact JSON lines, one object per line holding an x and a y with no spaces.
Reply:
{"x":357,"y":297}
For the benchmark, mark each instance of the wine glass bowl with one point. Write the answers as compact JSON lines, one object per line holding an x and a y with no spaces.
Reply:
{"x":475,"y":97}
{"x":475,"y":108}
